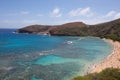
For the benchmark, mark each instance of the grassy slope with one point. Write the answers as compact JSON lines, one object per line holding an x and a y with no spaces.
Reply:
{"x":107,"y":74}
{"x":107,"y":30}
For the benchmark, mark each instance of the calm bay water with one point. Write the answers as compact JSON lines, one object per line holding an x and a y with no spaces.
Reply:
{"x":40,"y":57}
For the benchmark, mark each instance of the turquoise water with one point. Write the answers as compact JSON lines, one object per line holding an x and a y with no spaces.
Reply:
{"x":51,"y":59}
{"x":33,"y":78}
{"x":39,"y":57}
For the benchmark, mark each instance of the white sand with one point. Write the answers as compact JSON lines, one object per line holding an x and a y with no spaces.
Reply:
{"x":112,"y":61}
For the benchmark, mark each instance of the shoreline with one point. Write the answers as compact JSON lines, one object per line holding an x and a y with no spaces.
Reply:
{"x":112,"y":60}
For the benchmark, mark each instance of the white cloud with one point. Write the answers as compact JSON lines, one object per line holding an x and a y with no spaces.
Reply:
{"x":117,"y":15}
{"x":111,"y":13}
{"x":81,"y":12}
{"x":84,"y":14}
{"x":96,"y":19}
{"x":56,"y":13}
{"x":85,"y":11}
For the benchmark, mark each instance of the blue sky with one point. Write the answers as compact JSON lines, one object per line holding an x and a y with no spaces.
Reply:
{"x":20,"y":13}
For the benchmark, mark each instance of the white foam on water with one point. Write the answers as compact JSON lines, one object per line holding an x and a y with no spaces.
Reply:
{"x":69,"y":42}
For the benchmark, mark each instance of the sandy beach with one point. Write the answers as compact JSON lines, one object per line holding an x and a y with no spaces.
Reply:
{"x":112,"y":61}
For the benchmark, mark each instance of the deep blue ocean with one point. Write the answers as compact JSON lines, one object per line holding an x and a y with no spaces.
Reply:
{"x":42,"y":57}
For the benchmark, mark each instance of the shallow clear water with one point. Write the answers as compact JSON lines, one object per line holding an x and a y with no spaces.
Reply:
{"x":39,"y":57}
{"x":51,"y":59}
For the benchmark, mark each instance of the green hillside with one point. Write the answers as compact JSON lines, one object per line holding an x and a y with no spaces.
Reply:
{"x":105,"y":30}
{"x":107,"y":74}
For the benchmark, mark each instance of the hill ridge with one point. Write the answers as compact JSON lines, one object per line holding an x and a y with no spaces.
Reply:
{"x":109,"y":29}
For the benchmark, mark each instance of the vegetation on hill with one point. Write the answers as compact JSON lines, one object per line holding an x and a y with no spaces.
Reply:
{"x":107,"y":74}
{"x":45,"y":29}
{"x":33,"y":29}
{"x":104,"y":30}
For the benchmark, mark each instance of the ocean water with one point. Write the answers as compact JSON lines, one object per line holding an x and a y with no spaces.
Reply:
{"x":41,"y":57}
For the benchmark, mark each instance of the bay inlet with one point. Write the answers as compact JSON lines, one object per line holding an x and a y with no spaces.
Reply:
{"x":42,"y":57}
